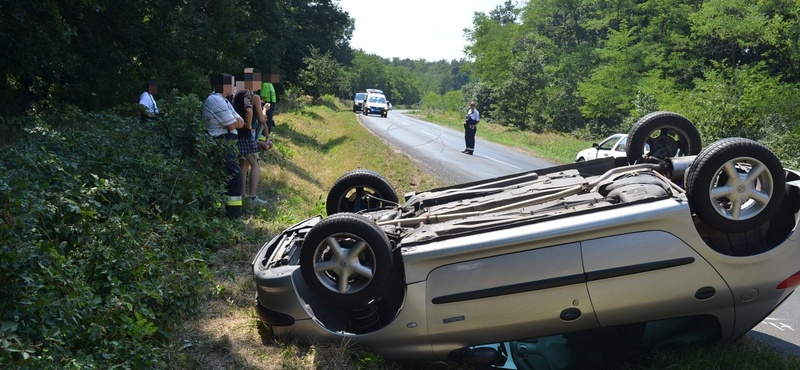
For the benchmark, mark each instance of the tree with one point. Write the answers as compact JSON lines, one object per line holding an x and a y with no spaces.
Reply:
{"x":491,"y":44}
{"x":504,"y":14}
{"x":322,"y":75}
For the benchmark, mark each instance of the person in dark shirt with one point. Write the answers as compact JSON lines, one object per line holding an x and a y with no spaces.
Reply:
{"x":470,"y":128}
{"x":242,"y":101}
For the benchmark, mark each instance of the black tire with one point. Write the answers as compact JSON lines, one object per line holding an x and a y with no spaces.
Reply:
{"x":735,"y":185}
{"x":581,"y":159}
{"x":676,"y":135}
{"x":359,"y":190}
{"x":346,"y":259}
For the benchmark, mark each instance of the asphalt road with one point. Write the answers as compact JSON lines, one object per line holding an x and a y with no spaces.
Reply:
{"x":437,"y":150}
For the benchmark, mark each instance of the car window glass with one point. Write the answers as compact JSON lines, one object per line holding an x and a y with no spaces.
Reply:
{"x":593,"y":348}
{"x":623,"y":144}
{"x":608,"y":143}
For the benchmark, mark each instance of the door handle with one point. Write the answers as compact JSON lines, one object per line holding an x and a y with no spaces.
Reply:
{"x":570,"y":314}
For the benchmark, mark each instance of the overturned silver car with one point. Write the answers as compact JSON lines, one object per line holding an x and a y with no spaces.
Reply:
{"x":558,"y":268}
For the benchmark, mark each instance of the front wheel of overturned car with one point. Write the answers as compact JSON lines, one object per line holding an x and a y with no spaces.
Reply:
{"x":660,"y":135}
{"x":735,"y":185}
{"x":359,"y":190}
{"x":346,"y":259}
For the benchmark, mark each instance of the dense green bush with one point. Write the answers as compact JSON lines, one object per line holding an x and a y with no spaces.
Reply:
{"x":106,"y":226}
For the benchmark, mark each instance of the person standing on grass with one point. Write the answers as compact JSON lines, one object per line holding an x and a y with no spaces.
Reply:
{"x":269,"y":96}
{"x":248,"y":105}
{"x":470,"y":128}
{"x":222,"y":123}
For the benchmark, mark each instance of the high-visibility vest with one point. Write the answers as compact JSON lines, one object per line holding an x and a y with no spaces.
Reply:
{"x":268,"y":92}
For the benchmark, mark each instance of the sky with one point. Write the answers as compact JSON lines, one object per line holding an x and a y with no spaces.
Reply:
{"x":415,"y":29}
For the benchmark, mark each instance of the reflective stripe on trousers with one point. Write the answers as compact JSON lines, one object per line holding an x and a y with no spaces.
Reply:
{"x":235,"y":201}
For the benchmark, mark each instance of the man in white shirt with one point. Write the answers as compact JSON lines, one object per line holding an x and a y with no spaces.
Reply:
{"x":147,"y":103}
{"x":221,"y":123}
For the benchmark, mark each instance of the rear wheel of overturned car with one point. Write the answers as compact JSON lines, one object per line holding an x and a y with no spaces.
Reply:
{"x":666,"y":134}
{"x":359,"y":190}
{"x":346,"y":259}
{"x":735,"y":185}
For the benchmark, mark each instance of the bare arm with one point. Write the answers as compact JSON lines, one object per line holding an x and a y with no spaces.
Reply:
{"x":248,"y":118}
{"x":145,"y":112}
{"x":238,"y":124}
{"x":260,"y":111}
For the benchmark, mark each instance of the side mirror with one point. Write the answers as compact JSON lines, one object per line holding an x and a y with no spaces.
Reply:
{"x":596,"y":146}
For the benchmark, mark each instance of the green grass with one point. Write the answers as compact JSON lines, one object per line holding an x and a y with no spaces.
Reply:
{"x":746,"y":354}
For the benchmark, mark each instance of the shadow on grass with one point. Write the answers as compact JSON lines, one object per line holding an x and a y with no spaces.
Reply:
{"x":307,"y":141}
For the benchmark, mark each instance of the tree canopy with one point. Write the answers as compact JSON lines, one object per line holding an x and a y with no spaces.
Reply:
{"x":594,"y":66}
{"x":98,"y":53}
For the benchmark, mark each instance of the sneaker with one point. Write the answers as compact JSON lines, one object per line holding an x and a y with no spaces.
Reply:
{"x":257,"y":200}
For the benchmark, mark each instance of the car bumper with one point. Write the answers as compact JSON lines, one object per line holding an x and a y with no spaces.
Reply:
{"x":377,"y":110}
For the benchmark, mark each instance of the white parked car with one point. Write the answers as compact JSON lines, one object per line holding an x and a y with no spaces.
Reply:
{"x":613,"y":146}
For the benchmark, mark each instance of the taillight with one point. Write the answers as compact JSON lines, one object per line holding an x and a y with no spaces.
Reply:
{"x":790,"y":282}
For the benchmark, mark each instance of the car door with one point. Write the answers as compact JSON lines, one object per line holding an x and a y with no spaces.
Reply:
{"x":513,"y":296}
{"x":651,"y":275}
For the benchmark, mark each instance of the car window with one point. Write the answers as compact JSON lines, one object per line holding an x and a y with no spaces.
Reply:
{"x":592,"y":348}
{"x":377,"y":99}
{"x":607,"y":144}
{"x":623,"y":144}
{"x":360,"y":97}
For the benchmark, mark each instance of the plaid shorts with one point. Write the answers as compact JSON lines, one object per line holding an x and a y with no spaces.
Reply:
{"x":247,"y":145}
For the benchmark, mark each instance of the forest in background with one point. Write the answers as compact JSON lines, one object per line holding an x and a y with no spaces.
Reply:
{"x":95,"y":54}
{"x":585,"y":67}
{"x":593,"y":67}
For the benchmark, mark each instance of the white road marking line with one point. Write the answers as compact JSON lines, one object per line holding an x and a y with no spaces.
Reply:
{"x":776,"y":326}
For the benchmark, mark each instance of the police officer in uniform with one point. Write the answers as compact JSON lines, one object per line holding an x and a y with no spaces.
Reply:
{"x":470,"y":128}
